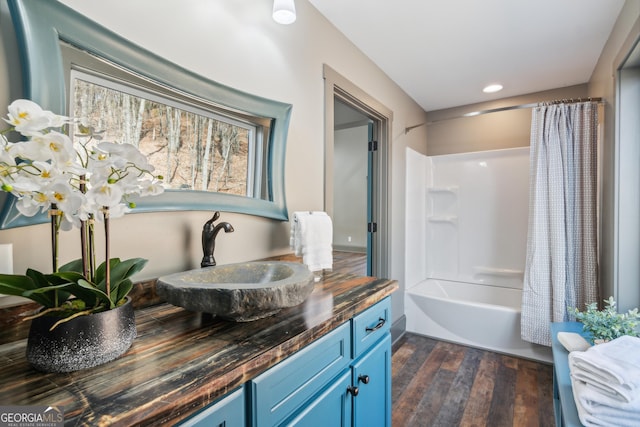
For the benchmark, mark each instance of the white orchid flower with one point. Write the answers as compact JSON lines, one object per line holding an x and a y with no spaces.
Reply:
{"x":29,"y":150}
{"x":24,"y":185}
{"x":150,"y":188}
{"x":68,"y":222}
{"x":30,"y":206}
{"x":46,"y":171}
{"x":71,"y":167}
{"x":106,"y":194}
{"x":27,"y":116}
{"x":56,"y":121}
{"x":7,"y":168}
{"x":53,"y":169}
{"x":128,"y":152}
{"x":59,"y":146}
{"x":65,"y":197}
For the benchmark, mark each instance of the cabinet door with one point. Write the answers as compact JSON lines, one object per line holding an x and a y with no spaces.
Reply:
{"x":279,"y":393}
{"x":227,"y":412}
{"x":331,"y":408}
{"x":372,"y":376}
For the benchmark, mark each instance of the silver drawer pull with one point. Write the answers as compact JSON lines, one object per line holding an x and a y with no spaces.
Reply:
{"x":379,"y":325}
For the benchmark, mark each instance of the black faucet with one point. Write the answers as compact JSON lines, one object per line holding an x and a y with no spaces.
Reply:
{"x":209,"y":233}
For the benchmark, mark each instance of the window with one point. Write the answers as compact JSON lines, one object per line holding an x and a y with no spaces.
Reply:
{"x":192,"y":148}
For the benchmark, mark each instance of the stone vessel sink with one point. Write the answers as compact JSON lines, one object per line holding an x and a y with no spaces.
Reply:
{"x":240,"y":292}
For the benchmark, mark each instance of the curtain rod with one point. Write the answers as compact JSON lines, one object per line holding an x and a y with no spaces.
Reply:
{"x":517,"y":107}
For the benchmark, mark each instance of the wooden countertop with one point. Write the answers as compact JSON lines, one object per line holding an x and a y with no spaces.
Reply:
{"x":182,"y":361}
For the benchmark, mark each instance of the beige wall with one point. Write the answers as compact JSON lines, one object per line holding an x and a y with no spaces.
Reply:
{"x":449,"y":131}
{"x":602,"y":84}
{"x":238,"y":44}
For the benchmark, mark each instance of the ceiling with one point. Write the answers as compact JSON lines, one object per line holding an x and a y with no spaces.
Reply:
{"x":443,"y":52}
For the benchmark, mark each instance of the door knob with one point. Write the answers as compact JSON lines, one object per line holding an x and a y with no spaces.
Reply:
{"x":363,"y":378}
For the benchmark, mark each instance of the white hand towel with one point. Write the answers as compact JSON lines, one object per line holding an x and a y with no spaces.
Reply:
{"x":613,"y":367}
{"x":312,"y":238}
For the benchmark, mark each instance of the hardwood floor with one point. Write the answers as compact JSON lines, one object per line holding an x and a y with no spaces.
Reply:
{"x":351,"y":262}
{"x":435,"y":383}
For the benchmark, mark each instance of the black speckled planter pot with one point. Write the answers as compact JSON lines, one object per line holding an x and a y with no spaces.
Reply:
{"x":83,"y":342}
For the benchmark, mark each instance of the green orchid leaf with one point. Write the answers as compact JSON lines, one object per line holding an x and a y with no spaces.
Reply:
{"x":46,"y":294}
{"x":121,"y":291}
{"x":120,"y":270}
{"x":14,"y":284}
{"x":101,"y":271}
{"x":87,"y":288}
{"x":45,"y":289}
{"x":75,"y":265}
{"x":38,"y":278}
{"x":65,"y":276}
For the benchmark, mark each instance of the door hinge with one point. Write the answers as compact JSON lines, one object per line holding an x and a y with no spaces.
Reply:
{"x":372,"y":227}
{"x":373,"y":145}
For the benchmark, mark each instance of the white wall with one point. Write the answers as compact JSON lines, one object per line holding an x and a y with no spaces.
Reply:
{"x":350,"y":192}
{"x":477,"y":216}
{"x":416,"y":213}
{"x":467,"y":220}
{"x":238,"y":44}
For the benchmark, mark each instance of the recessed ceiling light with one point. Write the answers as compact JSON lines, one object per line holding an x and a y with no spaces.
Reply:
{"x":492,"y":88}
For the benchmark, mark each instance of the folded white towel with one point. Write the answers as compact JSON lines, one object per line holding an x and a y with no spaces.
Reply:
{"x":312,"y":238}
{"x":613,"y":368}
{"x":597,"y":409}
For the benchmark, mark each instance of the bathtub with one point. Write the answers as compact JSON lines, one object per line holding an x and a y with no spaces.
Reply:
{"x":477,"y":315}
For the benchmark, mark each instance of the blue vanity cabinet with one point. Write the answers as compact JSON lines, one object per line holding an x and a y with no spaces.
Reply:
{"x":342,"y":379}
{"x":296,"y":388}
{"x":371,"y":366}
{"x":229,"y":411}
{"x":333,"y":407}
{"x":371,"y":374}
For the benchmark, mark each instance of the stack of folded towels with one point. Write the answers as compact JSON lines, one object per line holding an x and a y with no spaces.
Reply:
{"x":312,"y":239}
{"x":606,"y":383}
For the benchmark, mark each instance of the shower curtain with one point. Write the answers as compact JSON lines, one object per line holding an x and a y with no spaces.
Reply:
{"x":561,"y":263}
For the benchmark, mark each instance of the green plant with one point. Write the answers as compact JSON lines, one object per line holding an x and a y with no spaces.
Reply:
{"x":77,"y":182}
{"x":68,"y":294}
{"x":607,"y":324}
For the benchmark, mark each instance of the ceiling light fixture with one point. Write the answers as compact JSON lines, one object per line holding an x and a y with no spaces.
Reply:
{"x":284,"y":11}
{"x":492,"y":88}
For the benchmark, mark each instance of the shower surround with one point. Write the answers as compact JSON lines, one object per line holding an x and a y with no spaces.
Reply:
{"x":465,"y":245}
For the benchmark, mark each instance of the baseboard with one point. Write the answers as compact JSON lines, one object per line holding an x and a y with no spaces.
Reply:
{"x":344,"y":248}
{"x":398,"y":328}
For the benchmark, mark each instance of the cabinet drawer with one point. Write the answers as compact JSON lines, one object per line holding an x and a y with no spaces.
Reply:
{"x":370,"y":326}
{"x":226,"y":412}
{"x":283,"y":389}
